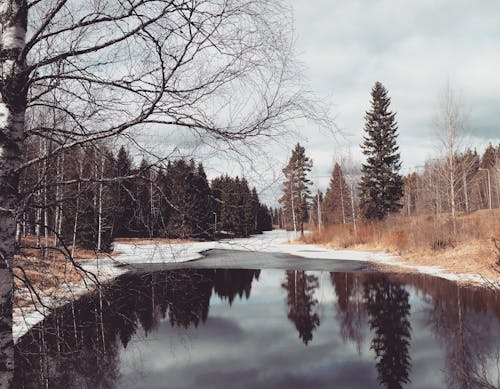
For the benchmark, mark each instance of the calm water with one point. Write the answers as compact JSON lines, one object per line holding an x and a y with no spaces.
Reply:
{"x":267,"y":328}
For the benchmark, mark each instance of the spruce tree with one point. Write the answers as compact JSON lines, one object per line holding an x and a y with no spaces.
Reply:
{"x":381,"y":186}
{"x":202,"y":207}
{"x":296,"y":188}
{"x":337,"y":198}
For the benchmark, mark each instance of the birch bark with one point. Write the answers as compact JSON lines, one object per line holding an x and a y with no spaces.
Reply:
{"x":13,"y":24}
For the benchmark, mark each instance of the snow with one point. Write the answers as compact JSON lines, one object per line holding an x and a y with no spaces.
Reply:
{"x":271,"y":242}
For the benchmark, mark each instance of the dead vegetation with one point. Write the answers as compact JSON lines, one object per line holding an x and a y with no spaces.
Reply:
{"x":427,"y":240}
{"x":39,"y":274}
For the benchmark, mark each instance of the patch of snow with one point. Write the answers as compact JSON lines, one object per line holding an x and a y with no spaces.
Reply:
{"x":271,"y":242}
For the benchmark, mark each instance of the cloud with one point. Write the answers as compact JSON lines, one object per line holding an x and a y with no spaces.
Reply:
{"x":413,"y":49}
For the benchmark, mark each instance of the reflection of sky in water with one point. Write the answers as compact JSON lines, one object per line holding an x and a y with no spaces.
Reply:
{"x":260,"y":342}
{"x":253,"y":345}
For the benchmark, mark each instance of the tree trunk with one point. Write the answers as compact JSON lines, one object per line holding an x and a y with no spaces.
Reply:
{"x":294,"y":218}
{"x":99,"y":220}
{"x":45,"y":203}
{"x":75,"y":223}
{"x":452,"y":195}
{"x":13,"y":23}
{"x":353,"y":211}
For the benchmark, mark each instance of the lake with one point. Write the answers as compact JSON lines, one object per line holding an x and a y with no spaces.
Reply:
{"x":255,"y":320}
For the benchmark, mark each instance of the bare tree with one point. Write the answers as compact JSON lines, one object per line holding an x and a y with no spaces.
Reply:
{"x":450,"y":123}
{"x":219,"y":68}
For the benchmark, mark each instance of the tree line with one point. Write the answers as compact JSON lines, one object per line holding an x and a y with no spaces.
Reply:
{"x":90,"y":196}
{"x":460,"y":180}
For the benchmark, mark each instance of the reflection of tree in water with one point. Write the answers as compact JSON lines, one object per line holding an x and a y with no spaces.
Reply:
{"x":350,"y":306}
{"x":77,"y":346}
{"x":189,"y":298}
{"x":301,"y":302}
{"x":229,"y":283}
{"x":468,"y":331}
{"x":389,"y":310}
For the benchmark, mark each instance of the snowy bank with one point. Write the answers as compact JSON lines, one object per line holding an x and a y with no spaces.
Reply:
{"x":274,"y":242}
{"x":271,"y":242}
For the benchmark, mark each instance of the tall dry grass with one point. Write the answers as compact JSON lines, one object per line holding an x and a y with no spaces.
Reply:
{"x":415,"y":234}
{"x":38,"y":276}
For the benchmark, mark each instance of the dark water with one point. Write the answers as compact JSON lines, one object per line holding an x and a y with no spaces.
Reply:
{"x":269,"y":328}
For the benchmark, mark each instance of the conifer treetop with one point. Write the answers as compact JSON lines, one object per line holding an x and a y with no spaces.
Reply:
{"x":381,"y":186}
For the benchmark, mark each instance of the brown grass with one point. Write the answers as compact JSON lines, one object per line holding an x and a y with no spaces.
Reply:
{"x":46,"y":274}
{"x":426,"y":240}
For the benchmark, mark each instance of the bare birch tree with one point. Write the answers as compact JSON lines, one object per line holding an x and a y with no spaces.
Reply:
{"x":450,"y":123}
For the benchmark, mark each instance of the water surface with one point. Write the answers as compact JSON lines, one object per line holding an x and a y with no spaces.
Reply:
{"x":259,"y":328}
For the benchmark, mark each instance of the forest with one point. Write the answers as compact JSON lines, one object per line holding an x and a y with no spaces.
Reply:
{"x":89,"y":196}
{"x":445,"y":211}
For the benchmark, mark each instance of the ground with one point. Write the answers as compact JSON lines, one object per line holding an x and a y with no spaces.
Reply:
{"x":142,"y":251}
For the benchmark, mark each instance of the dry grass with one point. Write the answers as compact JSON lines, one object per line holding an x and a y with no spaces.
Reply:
{"x":43,"y":275}
{"x":46,"y":274}
{"x":426,"y":240}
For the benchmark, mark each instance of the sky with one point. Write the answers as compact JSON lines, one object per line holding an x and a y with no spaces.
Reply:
{"x":414,"y":49}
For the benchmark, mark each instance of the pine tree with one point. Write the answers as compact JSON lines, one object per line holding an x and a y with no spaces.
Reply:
{"x":381,"y":186}
{"x":337,"y":198}
{"x":296,"y":188}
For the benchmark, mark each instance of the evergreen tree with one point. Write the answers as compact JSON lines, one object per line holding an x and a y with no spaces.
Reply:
{"x":245,"y":209}
{"x":337,"y":198}
{"x":202,"y":206}
{"x":143,"y":193}
{"x":256,"y":208}
{"x":296,"y":188}
{"x":381,"y":186}
{"x":264,"y":219}
{"x":189,"y":198}
{"x":124,"y":212}
{"x":239,"y":211}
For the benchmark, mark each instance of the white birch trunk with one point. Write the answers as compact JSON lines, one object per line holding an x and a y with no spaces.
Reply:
{"x":61,"y":196}
{"x":58,"y":196}
{"x":99,"y":221}
{"x":45,"y":204}
{"x":75,"y":223}
{"x":353,"y":211}
{"x":13,"y":22}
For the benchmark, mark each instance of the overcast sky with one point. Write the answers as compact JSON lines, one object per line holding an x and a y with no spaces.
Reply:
{"x":414,"y":48}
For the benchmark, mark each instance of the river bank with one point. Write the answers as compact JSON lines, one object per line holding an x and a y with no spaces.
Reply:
{"x":106,"y":268}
